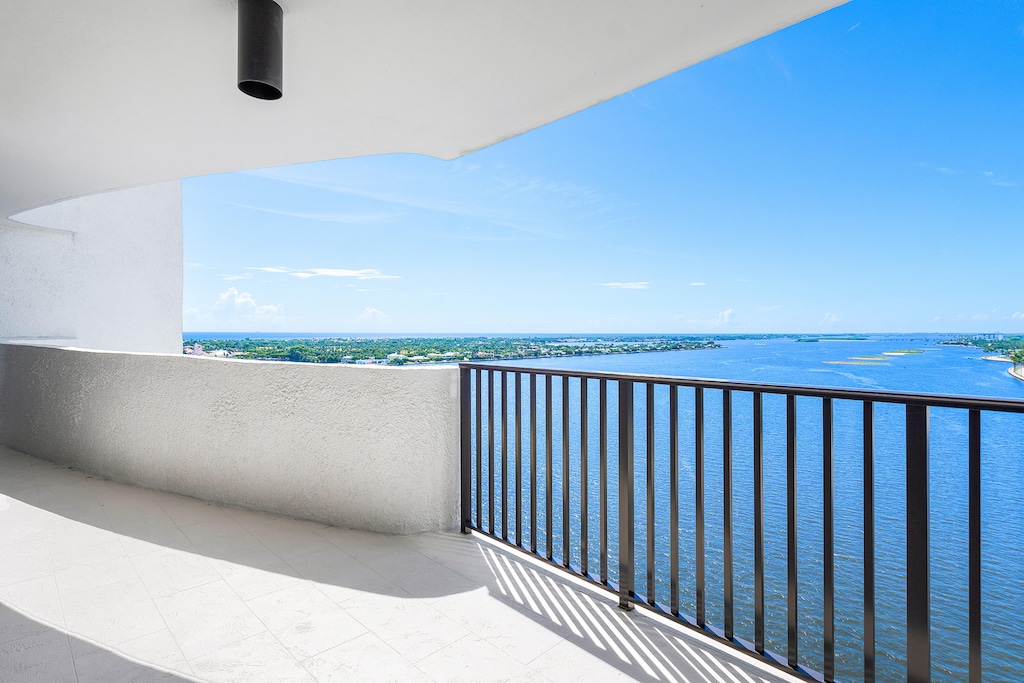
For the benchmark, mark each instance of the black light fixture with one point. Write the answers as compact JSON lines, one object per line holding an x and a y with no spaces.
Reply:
{"x":260,"y":38}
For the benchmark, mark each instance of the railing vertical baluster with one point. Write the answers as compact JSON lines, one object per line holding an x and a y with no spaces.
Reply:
{"x":698,"y":471}
{"x":566,"y":555}
{"x":758,"y":523}
{"x":727,"y":579}
{"x":626,"y":490}
{"x":974,"y":552}
{"x":533,"y":463}
{"x":490,"y":452}
{"x":504,"y":455}
{"x":869,"y":542}
{"x":584,"y":476}
{"x":918,"y":622}
{"x":917,"y":631}
{"x":791,"y":550}
{"x":549,"y":434}
{"x":602,"y":426}
{"x":519,"y":459}
{"x":479,"y":447}
{"x":650,"y":494}
{"x":828,"y":535}
{"x":466,"y":416}
{"x":673,"y":492}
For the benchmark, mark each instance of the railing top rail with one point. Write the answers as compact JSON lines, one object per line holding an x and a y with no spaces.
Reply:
{"x":1007,"y":405}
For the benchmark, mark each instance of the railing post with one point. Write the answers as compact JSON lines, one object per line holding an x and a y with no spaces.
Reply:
{"x":467,"y":448}
{"x":792,"y":547}
{"x":918,"y":625}
{"x":626,"y":511}
{"x":974,"y":546}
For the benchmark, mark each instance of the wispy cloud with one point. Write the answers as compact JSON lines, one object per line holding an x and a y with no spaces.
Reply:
{"x":371,"y":313}
{"x":306,"y":273}
{"x":724,"y":317}
{"x":499,"y":200}
{"x":853,"y":28}
{"x":830,"y":319}
{"x":626,"y":285}
{"x":992,"y":180}
{"x":1017,"y":316}
{"x":191,"y":264}
{"x":349,"y":218}
{"x":979,"y":316}
{"x":232,"y":278}
{"x":698,"y":284}
{"x":945,"y":170}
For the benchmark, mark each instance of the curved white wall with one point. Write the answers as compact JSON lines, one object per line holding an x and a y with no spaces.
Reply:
{"x":99,"y":272}
{"x":362,"y":447}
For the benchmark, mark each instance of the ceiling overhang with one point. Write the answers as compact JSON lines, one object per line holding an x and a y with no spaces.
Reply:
{"x":108,"y":94}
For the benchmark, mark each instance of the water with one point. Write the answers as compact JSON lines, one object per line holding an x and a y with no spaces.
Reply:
{"x":939,"y":369}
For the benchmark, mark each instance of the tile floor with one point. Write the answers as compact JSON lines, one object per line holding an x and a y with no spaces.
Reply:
{"x":105,"y":582}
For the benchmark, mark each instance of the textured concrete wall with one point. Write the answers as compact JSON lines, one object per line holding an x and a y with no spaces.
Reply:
{"x":363,"y":447}
{"x":100,"y":272}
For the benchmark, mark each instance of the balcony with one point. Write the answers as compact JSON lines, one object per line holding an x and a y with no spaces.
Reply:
{"x":103,"y":581}
{"x":210,"y":571}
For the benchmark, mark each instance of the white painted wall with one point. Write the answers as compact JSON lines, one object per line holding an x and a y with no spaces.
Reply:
{"x":99,"y":272}
{"x":369,"y":448}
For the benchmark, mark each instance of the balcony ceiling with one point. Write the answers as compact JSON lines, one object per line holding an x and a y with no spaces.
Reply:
{"x":108,"y":94}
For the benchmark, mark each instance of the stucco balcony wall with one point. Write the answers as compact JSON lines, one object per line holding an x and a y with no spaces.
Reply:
{"x":367,"y":448}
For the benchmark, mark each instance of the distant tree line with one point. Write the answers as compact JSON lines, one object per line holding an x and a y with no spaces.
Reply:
{"x":401,"y":351}
{"x":1011,"y":346}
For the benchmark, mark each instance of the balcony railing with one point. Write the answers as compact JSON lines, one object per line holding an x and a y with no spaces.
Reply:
{"x":530,"y":438}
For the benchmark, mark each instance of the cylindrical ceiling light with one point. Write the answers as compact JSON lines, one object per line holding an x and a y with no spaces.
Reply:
{"x":260,"y":38}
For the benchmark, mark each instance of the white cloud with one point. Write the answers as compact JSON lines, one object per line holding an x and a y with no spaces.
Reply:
{"x":698,"y":284}
{"x":306,"y":273}
{"x":191,"y":264}
{"x":830,"y":319}
{"x":979,"y":316}
{"x":853,"y":28}
{"x":626,"y":285}
{"x":371,"y":313}
{"x":232,"y":278}
{"x":936,"y":319}
{"x":1018,"y":316}
{"x":189,"y":312}
{"x":724,"y":317}
{"x":242,"y":305}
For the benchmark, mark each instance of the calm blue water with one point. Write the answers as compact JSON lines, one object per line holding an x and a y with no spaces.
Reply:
{"x":944,"y":370}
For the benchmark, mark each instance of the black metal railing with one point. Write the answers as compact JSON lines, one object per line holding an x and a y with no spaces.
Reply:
{"x":518,"y":441}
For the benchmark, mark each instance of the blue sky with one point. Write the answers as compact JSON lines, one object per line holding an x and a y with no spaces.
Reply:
{"x":862,"y":171}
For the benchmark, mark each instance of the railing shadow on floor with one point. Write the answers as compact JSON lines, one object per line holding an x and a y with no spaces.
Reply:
{"x":641,"y":647}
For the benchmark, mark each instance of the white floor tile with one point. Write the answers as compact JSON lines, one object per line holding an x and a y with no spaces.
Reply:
{"x":257,"y":659}
{"x":207,"y":618}
{"x":413,"y":628}
{"x":366,"y":658}
{"x":42,"y":658}
{"x":113,"y":613}
{"x":305,"y":621}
